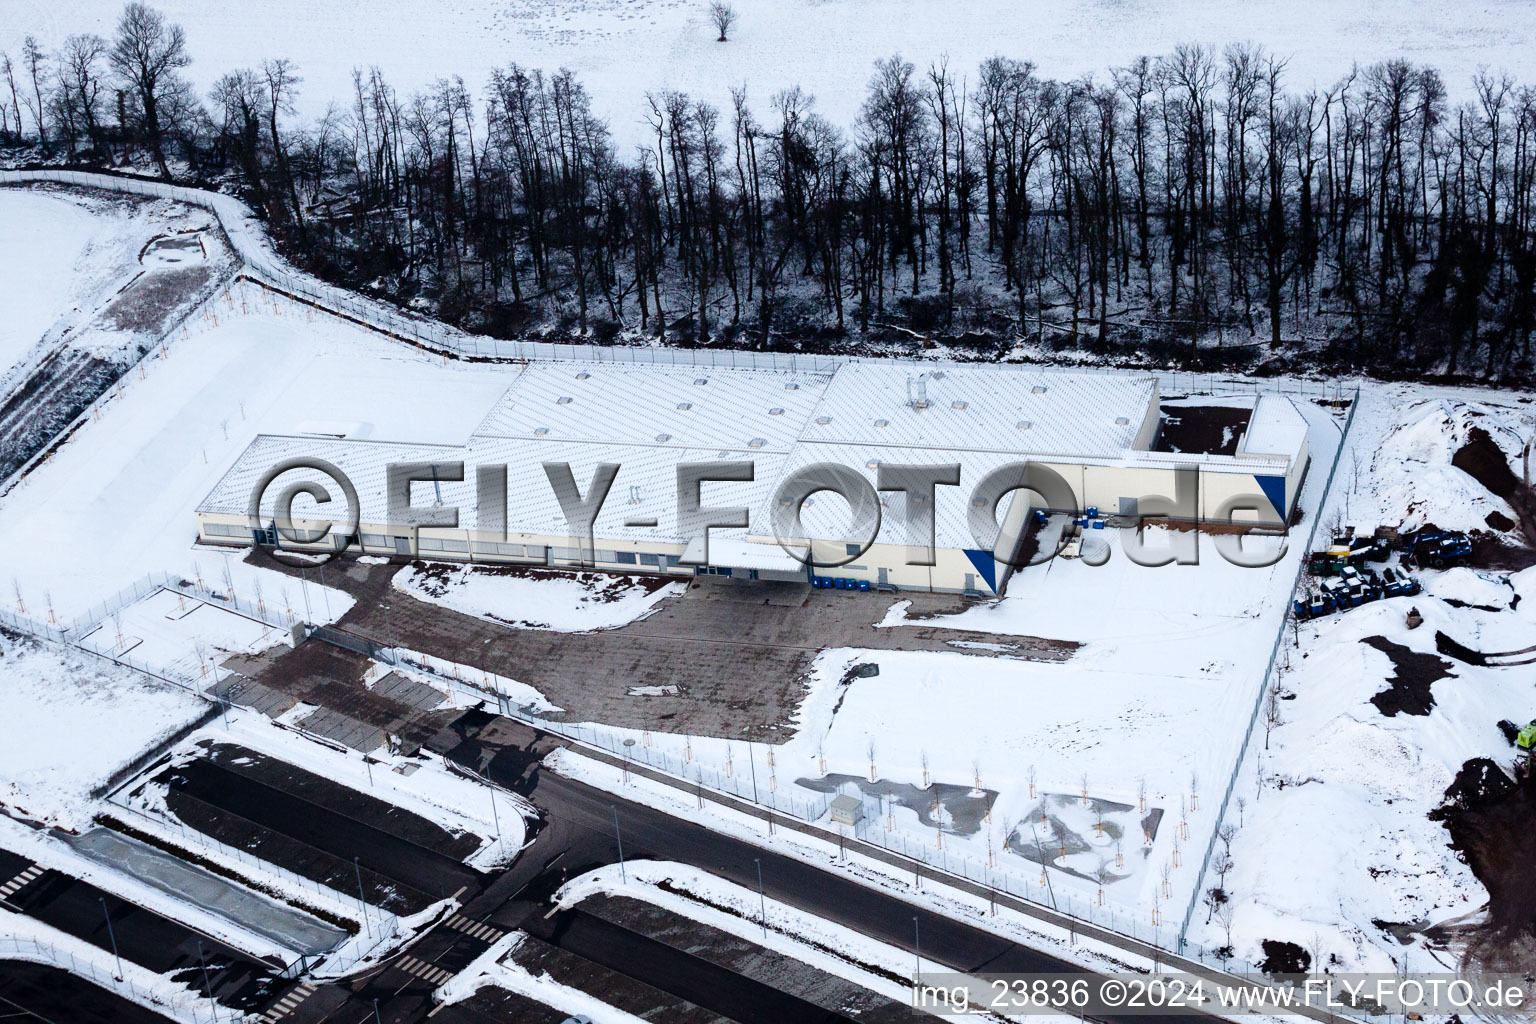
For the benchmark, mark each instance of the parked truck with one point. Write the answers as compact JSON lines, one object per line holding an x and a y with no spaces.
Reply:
{"x":1437,"y":548}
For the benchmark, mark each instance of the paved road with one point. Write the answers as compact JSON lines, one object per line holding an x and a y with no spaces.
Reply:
{"x":35,"y":994}
{"x":324,"y":829}
{"x":687,"y":976}
{"x":142,"y":936}
{"x":579,"y":834}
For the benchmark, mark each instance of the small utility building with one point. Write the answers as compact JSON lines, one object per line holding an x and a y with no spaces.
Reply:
{"x":1099,"y":432}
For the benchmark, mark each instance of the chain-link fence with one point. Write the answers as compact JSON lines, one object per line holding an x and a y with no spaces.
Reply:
{"x":1266,"y":679}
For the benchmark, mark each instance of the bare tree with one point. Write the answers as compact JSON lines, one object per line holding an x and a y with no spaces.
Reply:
{"x":146,"y":55}
{"x":723,"y":15}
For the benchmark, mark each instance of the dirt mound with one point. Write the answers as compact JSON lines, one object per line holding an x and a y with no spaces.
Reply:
{"x":1484,"y":461}
{"x":1408,"y":691}
{"x":1488,"y":815}
{"x":1499,"y":521}
{"x":1284,"y":958}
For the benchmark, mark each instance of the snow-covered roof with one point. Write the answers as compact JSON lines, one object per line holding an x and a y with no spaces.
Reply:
{"x":685,"y":407}
{"x":645,"y":487}
{"x":1007,"y":408}
{"x":1275,"y":428}
{"x":649,"y":419}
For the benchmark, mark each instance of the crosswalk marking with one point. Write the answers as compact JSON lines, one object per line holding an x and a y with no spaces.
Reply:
{"x":475,"y":929}
{"x":290,"y":1002}
{"x":425,"y":971}
{"x":10,"y":888}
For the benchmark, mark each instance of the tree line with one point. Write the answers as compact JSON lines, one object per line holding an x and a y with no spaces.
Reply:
{"x":1190,"y":207}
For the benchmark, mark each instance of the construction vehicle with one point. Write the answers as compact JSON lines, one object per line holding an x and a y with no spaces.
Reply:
{"x":1526,"y":737}
{"x":1397,"y":583}
{"x":1437,"y":548}
{"x":1356,"y":587}
{"x":1312,"y":604}
{"x":1373,"y":549}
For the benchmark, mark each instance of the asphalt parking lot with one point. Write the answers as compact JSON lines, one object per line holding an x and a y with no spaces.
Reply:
{"x":737,"y":651}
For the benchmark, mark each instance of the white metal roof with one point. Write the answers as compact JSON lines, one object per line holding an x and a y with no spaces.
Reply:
{"x":685,"y":407}
{"x":1275,"y":428}
{"x":983,"y":408}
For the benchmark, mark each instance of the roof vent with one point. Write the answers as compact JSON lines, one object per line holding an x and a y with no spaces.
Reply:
{"x":663,"y":437}
{"x":882,"y":423}
{"x":823,"y":420}
{"x":957,"y":405}
{"x":872,"y":464}
{"x":776,"y":411}
{"x":701,"y":381}
{"x":1038,"y":389}
{"x":1024,"y":424}
{"x":563,"y":400}
{"x":1122,"y":421}
{"x":791,"y":386}
{"x":634,"y":494}
{"x":541,"y":431}
{"x":757,"y":442}
{"x":917,"y":391}
{"x":684,"y":406}
{"x":583,"y":375}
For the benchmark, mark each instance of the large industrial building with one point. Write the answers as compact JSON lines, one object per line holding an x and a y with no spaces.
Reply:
{"x":1098,"y":432}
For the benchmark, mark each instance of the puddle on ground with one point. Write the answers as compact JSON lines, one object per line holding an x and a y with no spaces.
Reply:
{"x":1082,"y":837}
{"x":173,"y":250}
{"x":957,"y":810}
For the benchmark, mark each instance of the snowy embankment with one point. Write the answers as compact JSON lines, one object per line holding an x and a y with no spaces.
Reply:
{"x":566,"y":602}
{"x":69,"y":254}
{"x":1335,"y":843}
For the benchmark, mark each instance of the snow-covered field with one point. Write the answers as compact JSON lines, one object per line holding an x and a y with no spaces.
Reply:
{"x":1334,"y":834}
{"x":70,"y":721}
{"x":622,"y":48}
{"x":560,"y":601}
{"x":47,"y":238}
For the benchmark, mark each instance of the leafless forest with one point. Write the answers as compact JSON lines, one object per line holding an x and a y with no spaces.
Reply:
{"x":1189,"y":208}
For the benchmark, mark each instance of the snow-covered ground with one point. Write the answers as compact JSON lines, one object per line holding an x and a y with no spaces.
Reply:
{"x":117,"y":501}
{"x":1334,"y":835}
{"x":70,"y":720}
{"x":66,"y":254}
{"x":47,"y":238}
{"x":561,"y":601}
{"x":623,"y":48}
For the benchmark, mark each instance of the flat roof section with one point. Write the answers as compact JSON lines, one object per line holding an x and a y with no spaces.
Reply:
{"x":982,"y":408}
{"x":684,"y":407}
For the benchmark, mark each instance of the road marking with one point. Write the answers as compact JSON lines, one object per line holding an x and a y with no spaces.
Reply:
{"x":425,"y":971}
{"x":290,"y":1002}
{"x":475,"y":929}
{"x":10,"y":888}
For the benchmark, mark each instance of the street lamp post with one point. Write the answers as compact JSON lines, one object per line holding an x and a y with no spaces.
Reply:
{"x":362,"y":899}
{"x":762,"y":900}
{"x":203,"y":963}
{"x":620,"y":838}
{"x":111,"y":935}
{"x":917,"y":952}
